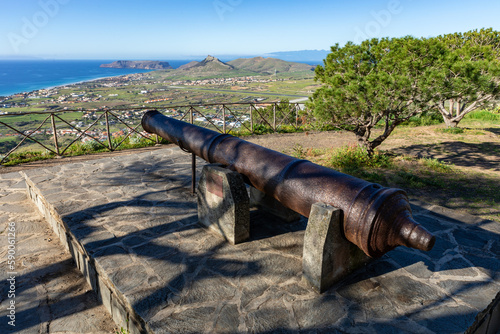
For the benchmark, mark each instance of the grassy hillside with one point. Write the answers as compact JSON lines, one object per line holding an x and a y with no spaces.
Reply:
{"x":210,"y":67}
{"x":269,"y":65}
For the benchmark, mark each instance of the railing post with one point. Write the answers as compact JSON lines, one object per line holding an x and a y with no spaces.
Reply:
{"x":108,"y":132}
{"x":193,"y":158}
{"x":274,"y":117}
{"x":223,"y":119}
{"x":56,"y":144}
{"x":251,"y":118}
{"x":296,"y":115}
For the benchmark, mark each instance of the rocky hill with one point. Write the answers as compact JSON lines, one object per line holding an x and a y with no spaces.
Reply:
{"x":139,"y":64}
{"x":188,"y":65}
{"x":209,"y":64}
{"x":269,"y":65}
{"x":244,"y":66}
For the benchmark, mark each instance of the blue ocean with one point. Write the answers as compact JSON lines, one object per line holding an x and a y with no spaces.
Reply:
{"x":17,"y":76}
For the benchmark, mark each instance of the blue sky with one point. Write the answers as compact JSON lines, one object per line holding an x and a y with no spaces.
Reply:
{"x":153,"y":29}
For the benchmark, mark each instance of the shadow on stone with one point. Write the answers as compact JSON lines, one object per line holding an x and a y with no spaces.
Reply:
{"x":169,"y":268}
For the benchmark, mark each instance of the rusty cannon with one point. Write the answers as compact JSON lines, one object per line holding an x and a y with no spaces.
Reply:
{"x":376,"y":219}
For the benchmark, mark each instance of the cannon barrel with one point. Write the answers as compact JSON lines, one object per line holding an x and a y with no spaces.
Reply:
{"x":376,"y":219}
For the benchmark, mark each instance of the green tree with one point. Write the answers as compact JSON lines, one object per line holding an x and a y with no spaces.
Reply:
{"x":472,"y":73}
{"x":379,"y":82}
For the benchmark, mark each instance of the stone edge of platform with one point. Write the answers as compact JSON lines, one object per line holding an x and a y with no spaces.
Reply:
{"x":113,"y":300}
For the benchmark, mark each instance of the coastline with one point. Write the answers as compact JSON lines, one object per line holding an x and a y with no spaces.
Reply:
{"x":18,"y":77}
{"x":67,"y":84}
{"x":82,"y":82}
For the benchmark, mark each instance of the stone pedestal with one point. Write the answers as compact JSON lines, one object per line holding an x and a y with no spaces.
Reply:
{"x":223,"y":203}
{"x":269,"y":204}
{"x":328,"y":256}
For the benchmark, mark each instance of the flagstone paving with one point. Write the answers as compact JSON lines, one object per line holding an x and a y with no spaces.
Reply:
{"x":50,"y":294}
{"x":130,"y":222}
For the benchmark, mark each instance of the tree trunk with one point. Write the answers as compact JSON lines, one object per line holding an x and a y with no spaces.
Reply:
{"x":451,"y":122}
{"x":462,"y":109}
{"x":370,"y":146}
{"x":363,"y":136}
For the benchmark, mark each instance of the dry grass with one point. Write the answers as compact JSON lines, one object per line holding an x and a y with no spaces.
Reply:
{"x":460,"y":171}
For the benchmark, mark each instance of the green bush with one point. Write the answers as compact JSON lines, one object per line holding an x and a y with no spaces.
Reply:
{"x":93,"y":145}
{"x":135,"y":141}
{"x":261,"y":129}
{"x":289,"y":129}
{"x":484,"y":115}
{"x":436,"y":165}
{"x":22,"y":157}
{"x":298,"y":152}
{"x":353,"y":158}
{"x":454,"y":131}
{"x":424,"y":120}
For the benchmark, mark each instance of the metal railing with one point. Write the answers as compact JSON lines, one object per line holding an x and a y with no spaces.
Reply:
{"x":56,"y":134}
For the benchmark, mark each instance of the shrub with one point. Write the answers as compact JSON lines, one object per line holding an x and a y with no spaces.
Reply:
{"x":424,"y":120}
{"x":353,"y":158}
{"x":22,"y":157}
{"x":298,"y":152}
{"x":436,"y":165}
{"x":454,"y":131}
{"x":92,"y":146}
{"x":484,"y":115}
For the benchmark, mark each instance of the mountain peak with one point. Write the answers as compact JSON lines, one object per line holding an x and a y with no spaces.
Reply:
{"x":211,"y":58}
{"x":212,"y":61}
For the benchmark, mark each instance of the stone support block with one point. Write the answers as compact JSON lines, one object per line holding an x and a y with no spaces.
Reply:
{"x":269,"y":204}
{"x":223,"y":203}
{"x":328,"y":256}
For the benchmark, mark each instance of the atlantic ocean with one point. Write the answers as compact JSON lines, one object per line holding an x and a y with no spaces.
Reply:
{"x":18,"y":76}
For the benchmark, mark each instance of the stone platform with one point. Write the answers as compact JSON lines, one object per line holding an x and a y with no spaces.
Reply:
{"x":131,"y":224}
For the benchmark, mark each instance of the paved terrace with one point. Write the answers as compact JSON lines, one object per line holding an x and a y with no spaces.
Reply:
{"x":130,"y":223}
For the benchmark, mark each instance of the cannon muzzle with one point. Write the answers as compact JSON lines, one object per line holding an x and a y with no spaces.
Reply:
{"x":376,"y":219}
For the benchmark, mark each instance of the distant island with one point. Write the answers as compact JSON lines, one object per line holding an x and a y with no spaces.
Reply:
{"x":139,"y":64}
{"x":313,"y":56}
